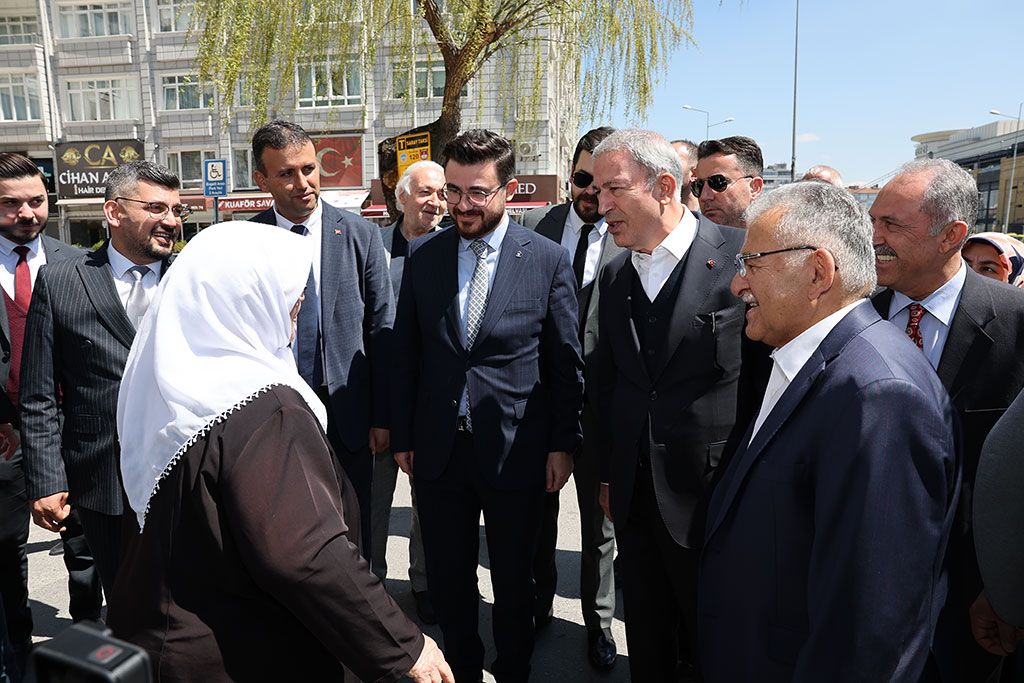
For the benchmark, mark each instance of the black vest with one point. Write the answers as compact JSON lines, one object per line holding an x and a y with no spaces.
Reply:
{"x":652,"y":319}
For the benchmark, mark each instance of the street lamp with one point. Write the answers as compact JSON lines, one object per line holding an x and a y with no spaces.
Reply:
{"x":728,"y":120}
{"x":707,"y":120}
{"x":1013,"y":164}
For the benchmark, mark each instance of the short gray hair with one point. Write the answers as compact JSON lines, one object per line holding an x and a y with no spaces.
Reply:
{"x":125,"y":178}
{"x":649,"y":149}
{"x":824,"y":216}
{"x":402,"y":186}
{"x":951,"y":195}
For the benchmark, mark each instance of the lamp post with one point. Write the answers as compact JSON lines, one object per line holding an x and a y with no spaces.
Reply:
{"x":707,"y":120}
{"x":1013,"y":164}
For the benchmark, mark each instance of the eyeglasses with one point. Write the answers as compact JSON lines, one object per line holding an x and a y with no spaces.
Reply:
{"x":741,"y":259}
{"x":582,"y":179}
{"x":159,"y":209}
{"x":453,"y":195}
{"x":717,"y":182}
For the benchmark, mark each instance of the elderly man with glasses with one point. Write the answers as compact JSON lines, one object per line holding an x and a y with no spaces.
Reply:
{"x":826,"y":535}
{"x":728,"y":178}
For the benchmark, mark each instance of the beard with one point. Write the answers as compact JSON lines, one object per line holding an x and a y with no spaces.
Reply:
{"x":586,"y":207}
{"x":22,"y":231}
{"x":489,"y":221}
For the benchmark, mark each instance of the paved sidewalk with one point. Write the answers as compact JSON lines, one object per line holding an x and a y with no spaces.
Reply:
{"x":561,"y":652}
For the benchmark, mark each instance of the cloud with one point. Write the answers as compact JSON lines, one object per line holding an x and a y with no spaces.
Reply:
{"x":807,"y":137}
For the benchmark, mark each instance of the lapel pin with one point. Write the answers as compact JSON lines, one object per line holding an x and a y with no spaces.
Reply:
{"x":337,"y":232}
{"x":711,"y":263}
{"x":519,"y":254}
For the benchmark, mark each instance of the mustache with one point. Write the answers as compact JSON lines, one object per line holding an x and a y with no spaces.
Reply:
{"x":884,"y":250}
{"x":749,"y":299}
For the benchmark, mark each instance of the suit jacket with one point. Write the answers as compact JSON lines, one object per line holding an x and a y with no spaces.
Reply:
{"x":983,"y":372}
{"x":690,"y":400}
{"x":826,"y":535}
{"x":357,"y":313}
{"x":524,"y":371}
{"x":77,"y":338}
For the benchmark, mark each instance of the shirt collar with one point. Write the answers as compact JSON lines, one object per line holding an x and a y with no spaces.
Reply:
{"x":576,"y":223}
{"x":120,"y":263}
{"x":7,"y":246}
{"x":493,"y":238}
{"x":796,"y":352}
{"x":941,"y":303}
{"x":676,"y":242}
{"x":311,"y":221}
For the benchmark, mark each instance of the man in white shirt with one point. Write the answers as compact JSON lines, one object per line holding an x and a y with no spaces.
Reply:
{"x":669,"y":358}
{"x":79,"y":329}
{"x":826,"y":535}
{"x":968,"y":327}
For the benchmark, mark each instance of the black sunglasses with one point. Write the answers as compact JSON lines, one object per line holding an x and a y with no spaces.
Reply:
{"x":717,"y":182}
{"x":582,"y":179}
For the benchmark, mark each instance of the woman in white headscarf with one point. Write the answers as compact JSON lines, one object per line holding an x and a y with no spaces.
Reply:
{"x":243,"y":567}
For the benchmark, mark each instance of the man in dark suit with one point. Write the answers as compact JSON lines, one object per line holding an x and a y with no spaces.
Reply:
{"x":823,"y":559}
{"x":670,"y":359}
{"x":580,"y":229}
{"x":342,"y":336}
{"x":23,"y":251}
{"x":420,"y":193}
{"x":80,"y":327}
{"x":487,"y":392}
{"x":968,"y":327}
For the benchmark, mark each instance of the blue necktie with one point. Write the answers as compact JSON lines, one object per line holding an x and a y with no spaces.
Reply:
{"x":307,"y":331}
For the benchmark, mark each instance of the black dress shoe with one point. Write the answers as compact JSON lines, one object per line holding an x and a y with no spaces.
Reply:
{"x":601,"y":648}
{"x":425,"y":608}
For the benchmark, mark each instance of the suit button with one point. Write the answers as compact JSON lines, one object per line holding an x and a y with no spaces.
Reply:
{"x":455,"y":404}
{"x":652,"y":319}
{"x":654,"y":396}
{"x":650,"y":352}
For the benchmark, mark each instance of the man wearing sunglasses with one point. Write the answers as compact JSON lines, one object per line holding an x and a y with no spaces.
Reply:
{"x":80,"y":326}
{"x":824,"y":552}
{"x":579,"y":227}
{"x":728,"y":178}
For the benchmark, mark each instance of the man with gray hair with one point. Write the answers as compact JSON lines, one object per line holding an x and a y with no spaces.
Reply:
{"x":823,"y":556}
{"x":968,"y":327}
{"x":420,"y":193}
{"x":669,"y":359}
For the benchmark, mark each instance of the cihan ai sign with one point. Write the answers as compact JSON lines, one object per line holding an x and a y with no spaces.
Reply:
{"x":83,"y":167}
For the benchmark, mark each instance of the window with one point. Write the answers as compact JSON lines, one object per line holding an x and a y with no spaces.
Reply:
{"x":95,"y":19}
{"x":106,"y":99}
{"x":242,"y":168}
{"x":329,"y":82}
{"x":15,"y":30}
{"x":429,"y":80}
{"x":183,"y":92}
{"x":19,"y":97}
{"x":174,"y":15}
{"x":188,"y":166}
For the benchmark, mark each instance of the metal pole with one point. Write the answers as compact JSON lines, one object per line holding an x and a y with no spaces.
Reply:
{"x":796,"y":51}
{"x":707,"y":126}
{"x":1013,"y":168}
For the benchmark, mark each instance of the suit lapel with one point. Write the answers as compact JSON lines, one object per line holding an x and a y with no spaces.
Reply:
{"x":98,"y":280}
{"x":967,"y":342}
{"x":332,"y":255}
{"x":512,"y":260}
{"x":448,"y":283}
{"x":553,"y":223}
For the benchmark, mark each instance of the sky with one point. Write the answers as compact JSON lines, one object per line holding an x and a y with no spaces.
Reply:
{"x":872,"y":74}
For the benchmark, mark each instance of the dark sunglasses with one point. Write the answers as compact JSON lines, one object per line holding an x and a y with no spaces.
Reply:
{"x":717,"y":182}
{"x":582,"y":179}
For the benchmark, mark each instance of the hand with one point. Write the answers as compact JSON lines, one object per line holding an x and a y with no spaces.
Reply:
{"x":49,"y":512}
{"x":380,"y":439}
{"x":559,"y":469}
{"x":431,"y":666}
{"x":404,"y":460}
{"x":8,"y":440}
{"x":603,"y":501}
{"x":991,"y":632}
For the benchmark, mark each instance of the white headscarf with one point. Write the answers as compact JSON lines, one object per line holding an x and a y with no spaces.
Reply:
{"x":215,"y":336}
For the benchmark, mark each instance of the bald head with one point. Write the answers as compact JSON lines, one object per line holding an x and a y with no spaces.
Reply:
{"x":826,"y":173}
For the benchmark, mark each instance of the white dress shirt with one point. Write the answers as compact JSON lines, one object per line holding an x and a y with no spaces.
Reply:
{"x":9,"y":262}
{"x":313,"y":234}
{"x":655,"y":268}
{"x":123,"y":280}
{"x":571,"y":237}
{"x":791,"y":358}
{"x":939,"y":307}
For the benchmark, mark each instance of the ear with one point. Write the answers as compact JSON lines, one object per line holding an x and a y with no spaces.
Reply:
{"x":952,"y":236}
{"x":667,"y":189}
{"x":112,"y":212}
{"x":261,"y":181}
{"x":824,"y":276}
{"x":510,"y":189}
{"x":756,"y":185}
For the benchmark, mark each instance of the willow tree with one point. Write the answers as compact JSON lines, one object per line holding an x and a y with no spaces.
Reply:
{"x":614,"y":49}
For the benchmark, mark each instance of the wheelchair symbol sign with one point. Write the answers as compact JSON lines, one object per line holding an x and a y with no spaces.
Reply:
{"x":214,"y":177}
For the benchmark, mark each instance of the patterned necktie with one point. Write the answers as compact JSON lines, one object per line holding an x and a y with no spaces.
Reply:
{"x":579,"y":258}
{"x":477,"y":305}
{"x":138,"y":302}
{"x":307,"y":331}
{"x":914,"y":324}
{"x":22,"y":279}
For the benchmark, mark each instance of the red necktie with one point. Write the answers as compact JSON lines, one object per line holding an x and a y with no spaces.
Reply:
{"x":914,"y":324}
{"x":22,"y":279}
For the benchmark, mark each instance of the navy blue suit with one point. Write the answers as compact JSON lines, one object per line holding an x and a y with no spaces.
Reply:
{"x":823,"y":559}
{"x":524,"y":374}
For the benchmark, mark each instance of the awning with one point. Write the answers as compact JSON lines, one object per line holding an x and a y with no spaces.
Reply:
{"x":83,"y":201}
{"x":381,"y":210}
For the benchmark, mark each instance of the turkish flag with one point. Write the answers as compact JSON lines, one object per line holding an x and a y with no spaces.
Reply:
{"x":341,"y":160}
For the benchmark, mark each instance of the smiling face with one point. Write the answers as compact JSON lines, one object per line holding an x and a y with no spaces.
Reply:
{"x":292,"y":176}
{"x":424,"y":205}
{"x":476,"y":221}
{"x":23,"y":208}
{"x":136,"y":233}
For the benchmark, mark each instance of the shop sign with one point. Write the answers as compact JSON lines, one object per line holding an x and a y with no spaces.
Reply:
{"x":83,"y":167}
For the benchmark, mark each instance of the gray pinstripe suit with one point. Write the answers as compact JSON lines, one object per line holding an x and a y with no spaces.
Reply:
{"x":77,"y":338}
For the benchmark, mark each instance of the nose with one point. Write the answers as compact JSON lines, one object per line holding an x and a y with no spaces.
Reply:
{"x":738,"y":285}
{"x":604,"y":202}
{"x":706,"y":192}
{"x":25,"y":212}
